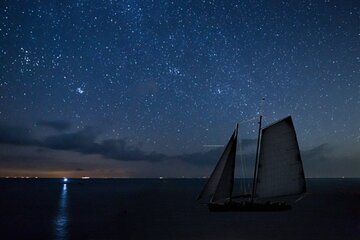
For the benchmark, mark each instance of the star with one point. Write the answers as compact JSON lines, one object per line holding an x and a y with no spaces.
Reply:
{"x":80,"y":90}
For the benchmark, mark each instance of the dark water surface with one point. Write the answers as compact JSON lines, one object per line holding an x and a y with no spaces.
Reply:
{"x":166,"y":209}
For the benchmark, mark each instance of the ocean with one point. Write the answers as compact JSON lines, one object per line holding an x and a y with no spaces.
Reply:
{"x":167,"y":209}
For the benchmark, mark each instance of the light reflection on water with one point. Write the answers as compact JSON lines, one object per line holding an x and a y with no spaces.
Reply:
{"x":61,"y":220}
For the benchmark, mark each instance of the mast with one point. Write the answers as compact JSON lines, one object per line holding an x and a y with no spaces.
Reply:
{"x":237,"y":128}
{"x":256,"y":161}
{"x":233,"y":170}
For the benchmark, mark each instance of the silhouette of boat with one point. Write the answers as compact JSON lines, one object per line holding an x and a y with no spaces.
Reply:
{"x":278,"y":172}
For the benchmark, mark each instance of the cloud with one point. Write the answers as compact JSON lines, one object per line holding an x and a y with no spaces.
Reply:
{"x":16,"y":135}
{"x":320,"y":161}
{"x":210,"y":157}
{"x":317,"y":152}
{"x":202,"y":158}
{"x":332,"y":160}
{"x":118,"y":149}
{"x":83,"y":141}
{"x":56,"y":125}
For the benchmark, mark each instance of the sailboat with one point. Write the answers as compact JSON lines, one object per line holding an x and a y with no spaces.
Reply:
{"x":278,"y":172}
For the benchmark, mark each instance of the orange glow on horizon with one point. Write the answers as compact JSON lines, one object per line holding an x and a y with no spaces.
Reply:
{"x":61,"y":173}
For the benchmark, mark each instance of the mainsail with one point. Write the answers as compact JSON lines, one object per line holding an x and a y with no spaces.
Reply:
{"x":220,"y":184}
{"x":280,"y":171}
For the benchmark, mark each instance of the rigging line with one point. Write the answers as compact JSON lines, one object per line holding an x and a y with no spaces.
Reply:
{"x":257,"y":152}
{"x":244,"y":171}
{"x":248,"y":120}
{"x":242,"y":163}
{"x":256,"y":161}
{"x":261,"y":110}
{"x":261,"y":106}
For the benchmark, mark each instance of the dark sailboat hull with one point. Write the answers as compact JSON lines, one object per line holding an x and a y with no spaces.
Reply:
{"x":249,"y":206}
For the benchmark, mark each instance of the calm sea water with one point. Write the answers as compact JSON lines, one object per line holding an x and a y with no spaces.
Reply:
{"x":166,"y":209}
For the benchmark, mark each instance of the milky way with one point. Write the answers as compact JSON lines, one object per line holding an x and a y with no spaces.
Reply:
{"x":171,"y":76}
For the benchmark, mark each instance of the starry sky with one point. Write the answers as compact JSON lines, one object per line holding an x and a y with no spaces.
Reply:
{"x":137,"y":88}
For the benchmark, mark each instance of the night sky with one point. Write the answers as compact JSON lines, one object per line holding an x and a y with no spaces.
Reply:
{"x":137,"y":88}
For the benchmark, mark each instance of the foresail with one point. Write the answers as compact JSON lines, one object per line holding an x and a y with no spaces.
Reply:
{"x":220,"y":183}
{"x":280,"y":170}
{"x":225,"y":186}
